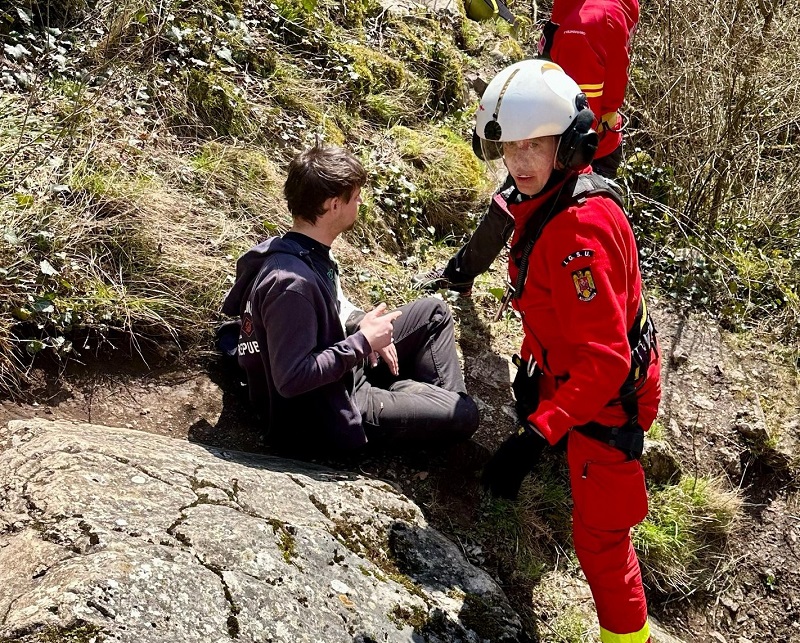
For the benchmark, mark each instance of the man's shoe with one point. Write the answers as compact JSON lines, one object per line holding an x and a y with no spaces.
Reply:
{"x":436,"y":280}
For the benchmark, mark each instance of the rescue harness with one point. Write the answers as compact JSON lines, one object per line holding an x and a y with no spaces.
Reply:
{"x":628,"y":438}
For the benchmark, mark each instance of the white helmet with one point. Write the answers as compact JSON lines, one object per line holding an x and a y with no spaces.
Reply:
{"x":529,"y":99}
{"x":535,"y":98}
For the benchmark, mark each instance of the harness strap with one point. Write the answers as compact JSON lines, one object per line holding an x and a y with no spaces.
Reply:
{"x":628,"y":439}
{"x":575,"y":190}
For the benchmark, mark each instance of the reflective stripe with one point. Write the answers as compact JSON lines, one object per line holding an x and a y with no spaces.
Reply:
{"x":590,"y":86}
{"x":593,"y":94}
{"x":642,"y":636}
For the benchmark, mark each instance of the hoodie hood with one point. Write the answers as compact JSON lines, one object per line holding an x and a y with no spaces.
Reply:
{"x":249,"y":266}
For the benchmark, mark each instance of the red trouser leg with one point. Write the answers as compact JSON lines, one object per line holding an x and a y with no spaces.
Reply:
{"x":609,"y":498}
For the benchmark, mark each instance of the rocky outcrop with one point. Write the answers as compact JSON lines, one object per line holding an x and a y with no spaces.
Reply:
{"x":112,"y":534}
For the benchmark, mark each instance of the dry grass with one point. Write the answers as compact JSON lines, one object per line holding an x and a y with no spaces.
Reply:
{"x":714,"y":96}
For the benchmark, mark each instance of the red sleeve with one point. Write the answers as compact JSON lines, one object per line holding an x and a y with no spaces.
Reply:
{"x":589,"y":298}
{"x":617,"y":62}
{"x":584,"y":62}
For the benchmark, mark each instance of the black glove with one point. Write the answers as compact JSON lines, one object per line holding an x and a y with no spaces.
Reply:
{"x":516,"y":458}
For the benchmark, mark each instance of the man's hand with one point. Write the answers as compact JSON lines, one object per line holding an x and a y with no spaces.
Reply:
{"x":377,"y":327}
{"x":389,"y":355}
{"x":516,"y":457}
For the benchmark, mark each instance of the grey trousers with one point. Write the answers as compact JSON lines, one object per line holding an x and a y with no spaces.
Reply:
{"x":427,"y":401}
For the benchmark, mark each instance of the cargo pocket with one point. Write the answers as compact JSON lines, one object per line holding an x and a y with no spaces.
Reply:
{"x":610,"y":496}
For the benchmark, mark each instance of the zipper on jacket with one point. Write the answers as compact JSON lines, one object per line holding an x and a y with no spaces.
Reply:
{"x":586,"y":469}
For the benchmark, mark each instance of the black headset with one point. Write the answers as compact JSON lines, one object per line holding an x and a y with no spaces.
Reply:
{"x":578,"y":143}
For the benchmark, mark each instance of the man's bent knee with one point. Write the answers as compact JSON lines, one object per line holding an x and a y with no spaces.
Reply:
{"x":466,"y":417}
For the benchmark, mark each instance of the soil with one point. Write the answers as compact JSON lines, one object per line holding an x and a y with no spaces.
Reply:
{"x":709,"y":381}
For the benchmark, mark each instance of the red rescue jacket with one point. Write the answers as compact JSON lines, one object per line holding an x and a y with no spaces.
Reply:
{"x":592,"y":45}
{"x":579,"y":300}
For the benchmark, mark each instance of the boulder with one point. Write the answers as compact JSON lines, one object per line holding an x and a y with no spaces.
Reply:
{"x":776,"y":449}
{"x":113,"y":534}
{"x":660,"y":462}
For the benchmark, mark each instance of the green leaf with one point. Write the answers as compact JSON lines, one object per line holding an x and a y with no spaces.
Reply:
{"x":309,"y":5}
{"x":498,"y":293}
{"x":43,"y":305}
{"x":225,"y":54}
{"x":24,"y":200}
{"x":23,"y":314}
{"x":34,"y":346}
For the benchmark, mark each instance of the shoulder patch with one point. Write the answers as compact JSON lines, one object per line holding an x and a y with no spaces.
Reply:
{"x":584,"y":284}
{"x":575,"y":255}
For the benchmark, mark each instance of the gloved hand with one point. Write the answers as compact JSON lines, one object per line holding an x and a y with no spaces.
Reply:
{"x":516,"y":458}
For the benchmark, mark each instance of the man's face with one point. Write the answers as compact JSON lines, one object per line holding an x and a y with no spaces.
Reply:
{"x":349,"y":212}
{"x":530,"y":162}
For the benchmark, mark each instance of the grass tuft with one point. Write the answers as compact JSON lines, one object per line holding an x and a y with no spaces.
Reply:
{"x":682,"y":544}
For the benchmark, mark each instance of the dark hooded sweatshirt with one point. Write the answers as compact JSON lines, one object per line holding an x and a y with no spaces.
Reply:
{"x":299,"y":363}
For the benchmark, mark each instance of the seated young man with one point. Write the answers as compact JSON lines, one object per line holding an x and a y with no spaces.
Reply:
{"x":325,"y":375}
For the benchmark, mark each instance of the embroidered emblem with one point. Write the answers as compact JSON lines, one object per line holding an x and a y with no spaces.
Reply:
{"x":584,"y":284}
{"x":331,"y":274}
{"x":575,"y":255}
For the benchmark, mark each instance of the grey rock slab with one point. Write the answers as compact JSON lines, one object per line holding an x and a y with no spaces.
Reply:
{"x":152,"y":539}
{"x":660,"y":462}
{"x":491,"y":369}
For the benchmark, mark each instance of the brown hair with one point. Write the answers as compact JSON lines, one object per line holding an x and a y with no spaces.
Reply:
{"x":318,"y":174}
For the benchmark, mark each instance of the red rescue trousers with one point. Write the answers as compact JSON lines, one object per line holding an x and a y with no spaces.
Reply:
{"x":609,"y":497}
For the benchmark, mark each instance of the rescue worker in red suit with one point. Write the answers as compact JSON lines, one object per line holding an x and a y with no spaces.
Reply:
{"x":590,"y":40}
{"x":589,"y":365}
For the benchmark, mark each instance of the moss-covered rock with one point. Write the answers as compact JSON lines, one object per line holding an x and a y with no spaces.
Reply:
{"x":431,"y":53}
{"x":373,"y":71}
{"x":217,"y":103}
{"x":449,"y":177}
{"x":80,"y":632}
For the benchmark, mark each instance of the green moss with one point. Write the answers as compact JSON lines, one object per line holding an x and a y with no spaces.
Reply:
{"x":301,"y":12}
{"x":440,"y":181}
{"x":512,"y":50}
{"x":217,"y":103}
{"x":468,"y":37}
{"x":286,"y":541}
{"x":415,"y":617}
{"x":351,"y":13}
{"x":352,"y":536}
{"x":80,"y":632}
{"x":374,"y":72}
{"x":447,"y":75}
{"x":430,"y":51}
